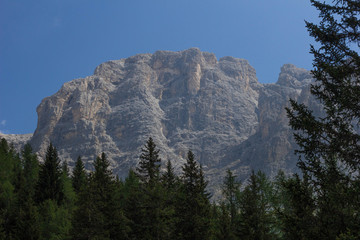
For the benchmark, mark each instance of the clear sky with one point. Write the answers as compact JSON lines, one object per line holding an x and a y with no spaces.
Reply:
{"x":45,"y":43}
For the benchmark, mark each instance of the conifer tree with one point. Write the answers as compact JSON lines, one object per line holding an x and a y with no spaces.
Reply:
{"x":329,"y":145}
{"x":297,"y":212}
{"x":169,"y":187}
{"x":191,"y":175}
{"x":133,"y":202}
{"x":49,"y":184}
{"x":82,"y":224}
{"x":149,"y":165}
{"x":193,"y":208}
{"x":67,"y":188}
{"x":169,"y":177}
{"x":27,"y":218}
{"x":10,"y":183}
{"x":255,"y":215}
{"x":31,"y":170}
{"x":225,"y":227}
{"x":54,"y":197}
{"x":230,"y":190}
{"x":78,"y":175}
{"x":54,"y":220}
{"x":156,"y":224}
{"x":99,"y":215}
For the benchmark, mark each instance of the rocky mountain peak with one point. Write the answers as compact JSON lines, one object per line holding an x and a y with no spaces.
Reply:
{"x":292,"y":76}
{"x":183,"y":100}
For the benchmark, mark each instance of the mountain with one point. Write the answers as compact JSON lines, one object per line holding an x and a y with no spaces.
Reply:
{"x":184,"y":100}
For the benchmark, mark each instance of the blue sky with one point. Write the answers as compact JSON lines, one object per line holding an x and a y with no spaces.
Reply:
{"x":45,"y":43}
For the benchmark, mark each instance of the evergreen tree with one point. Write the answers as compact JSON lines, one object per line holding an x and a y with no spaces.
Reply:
{"x":169,"y":178}
{"x":215,"y":228}
{"x":79,"y":175}
{"x":54,"y":220}
{"x":225,"y":225}
{"x":154,"y":222}
{"x":82,"y":221}
{"x":66,"y":210}
{"x":156,"y":205}
{"x":99,"y":215}
{"x":255,"y":206}
{"x":27,"y":218}
{"x":337,"y":202}
{"x":68,"y":190}
{"x":230,"y":190}
{"x":191,"y":174}
{"x":149,"y":164}
{"x":193,"y":208}
{"x":31,"y":170}
{"x":55,"y":197}
{"x":10,"y":182}
{"x":297,"y":213}
{"x":49,"y":185}
{"x":329,"y":144}
{"x":133,"y":202}
{"x":168,"y":191}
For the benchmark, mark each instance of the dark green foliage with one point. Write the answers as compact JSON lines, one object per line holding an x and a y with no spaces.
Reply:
{"x":227,"y":213}
{"x":336,"y":69}
{"x":169,"y":178}
{"x":79,"y":175}
{"x":149,"y":164}
{"x":99,"y":215}
{"x":49,"y":185}
{"x":149,"y":209}
{"x":255,"y":209}
{"x":337,"y":202}
{"x":89,"y":219}
{"x":82,"y":224}
{"x":329,"y":146}
{"x":31,"y":170}
{"x":230,"y":190}
{"x":171,"y":207}
{"x":27,"y":217}
{"x":298,"y":210}
{"x":193,"y":206}
{"x":67,"y":188}
{"x":156,"y":213}
{"x":132,"y":203}
{"x":225,"y":225}
{"x":54,"y":220}
{"x":154,"y":208}
{"x":171,"y":186}
{"x":10,"y":183}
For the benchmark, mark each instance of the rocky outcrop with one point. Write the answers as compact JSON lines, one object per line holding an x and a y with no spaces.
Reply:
{"x":17,"y":140}
{"x":184,"y":100}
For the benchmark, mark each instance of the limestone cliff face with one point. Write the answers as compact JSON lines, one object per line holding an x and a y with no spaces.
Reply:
{"x":184,"y":100}
{"x":271,"y":148}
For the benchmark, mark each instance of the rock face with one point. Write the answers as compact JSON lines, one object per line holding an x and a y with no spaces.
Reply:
{"x":184,"y":100}
{"x":17,"y":140}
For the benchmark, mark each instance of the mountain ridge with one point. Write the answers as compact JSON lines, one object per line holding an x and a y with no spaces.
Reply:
{"x":184,"y":100}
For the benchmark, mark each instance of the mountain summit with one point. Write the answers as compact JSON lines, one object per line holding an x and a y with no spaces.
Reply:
{"x":183,"y":100}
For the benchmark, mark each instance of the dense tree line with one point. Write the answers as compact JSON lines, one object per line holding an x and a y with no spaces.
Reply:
{"x":45,"y":201}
